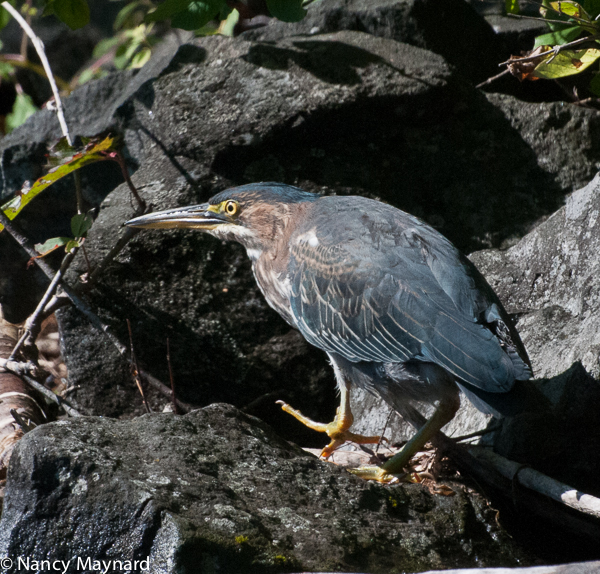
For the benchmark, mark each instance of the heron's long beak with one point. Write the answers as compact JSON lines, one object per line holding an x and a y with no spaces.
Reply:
{"x":202,"y":216}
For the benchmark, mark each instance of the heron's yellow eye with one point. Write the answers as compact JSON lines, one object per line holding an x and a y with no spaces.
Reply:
{"x":231,"y":207}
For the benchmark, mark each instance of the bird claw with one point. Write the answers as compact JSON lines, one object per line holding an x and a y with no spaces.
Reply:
{"x":337,"y":430}
{"x":379,"y":474}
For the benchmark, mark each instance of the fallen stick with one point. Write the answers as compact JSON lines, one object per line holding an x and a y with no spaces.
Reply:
{"x":538,"y":482}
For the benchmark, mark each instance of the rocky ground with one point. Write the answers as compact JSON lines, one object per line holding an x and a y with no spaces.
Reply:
{"x":372,"y":100}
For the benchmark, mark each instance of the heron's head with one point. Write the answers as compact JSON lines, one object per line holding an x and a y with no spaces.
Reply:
{"x":255,"y":215}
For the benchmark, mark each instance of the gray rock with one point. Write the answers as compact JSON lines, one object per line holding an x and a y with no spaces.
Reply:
{"x":218,"y":490}
{"x":560,"y":434}
{"x":550,"y":279}
{"x":450,"y":28}
{"x":89,"y":110}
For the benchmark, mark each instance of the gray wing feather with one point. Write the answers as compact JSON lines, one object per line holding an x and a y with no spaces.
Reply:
{"x":409,"y":295}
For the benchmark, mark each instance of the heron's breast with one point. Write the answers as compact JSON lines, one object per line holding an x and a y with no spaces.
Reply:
{"x":275,"y":286}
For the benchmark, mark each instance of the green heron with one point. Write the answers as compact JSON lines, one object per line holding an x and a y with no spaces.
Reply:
{"x":397,"y":308}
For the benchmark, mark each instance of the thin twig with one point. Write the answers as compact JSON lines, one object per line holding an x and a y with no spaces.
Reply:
{"x":135,"y":371}
{"x":23,"y":50}
{"x":20,"y":62}
{"x":85,"y":256}
{"x":554,"y":50}
{"x":118,"y":157}
{"x":78,"y":190}
{"x":166,"y":391}
{"x":541,"y":5}
{"x":493,"y":78}
{"x":64,"y":405}
{"x":585,"y":102}
{"x":541,"y":483}
{"x":579,"y":21}
{"x":173,"y":398}
{"x":49,"y":272}
{"x":39,"y":48}
{"x":387,"y":422}
{"x":57,"y":302}
{"x":20,"y":368}
{"x":32,"y":324}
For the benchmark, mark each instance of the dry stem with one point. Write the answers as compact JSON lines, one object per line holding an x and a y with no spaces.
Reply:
{"x":39,"y":48}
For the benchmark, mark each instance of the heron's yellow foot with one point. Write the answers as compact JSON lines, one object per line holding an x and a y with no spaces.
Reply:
{"x":392,"y":470}
{"x":379,"y":474}
{"x":395,"y":466}
{"x":337,"y":430}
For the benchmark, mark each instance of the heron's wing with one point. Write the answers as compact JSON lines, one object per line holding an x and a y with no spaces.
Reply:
{"x":400,"y":298}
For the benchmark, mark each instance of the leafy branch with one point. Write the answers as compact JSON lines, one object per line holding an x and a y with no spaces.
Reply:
{"x":568,"y":49}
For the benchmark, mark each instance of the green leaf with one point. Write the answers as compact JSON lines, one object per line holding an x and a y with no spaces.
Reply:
{"x":22,"y":109}
{"x":51,"y":244}
{"x":228,"y":24}
{"x":124,"y":13}
{"x":286,"y":10}
{"x":105,"y":45}
{"x":167,"y":9}
{"x":6,"y":70}
{"x":550,"y":14}
{"x":81,"y":224}
{"x":559,"y":37}
{"x":91,"y":74}
{"x":570,"y":8}
{"x":198,"y":14}
{"x":48,"y":8}
{"x":140,"y":58}
{"x":72,"y":244}
{"x":74,"y":13}
{"x":94,"y":152}
{"x":512,"y":6}
{"x":566,"y":63}
{"x":125,"y":52}
{"x":4,"y":17}
{"x":595,"y":85}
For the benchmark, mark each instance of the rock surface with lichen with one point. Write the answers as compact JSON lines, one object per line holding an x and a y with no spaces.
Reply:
{"x":218,"y":491}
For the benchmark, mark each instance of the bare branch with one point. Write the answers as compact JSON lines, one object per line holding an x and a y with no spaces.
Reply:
{"x":580,"y":21}
{"x":49,"y":272}
{"x":25,"y":427}
{"x":39,"y":48}
{"x":554,"y":51}
{"x":51,"y":396}
{"x":541,"y":483}
{"x":135,"y":371}
{"x":121,"y":161}
{"x":20,"y":368}
{"x":166,"y":391}
{"x":171,"y":379}
{"x":492,"y":79}
{"x":33,"y":322}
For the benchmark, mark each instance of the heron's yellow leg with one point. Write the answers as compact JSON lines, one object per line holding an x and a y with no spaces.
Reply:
{"x":337,"y":430}
{"x":443,"y":414}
